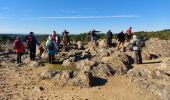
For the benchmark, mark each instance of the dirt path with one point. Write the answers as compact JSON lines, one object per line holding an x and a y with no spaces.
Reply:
{"x":24,"y":83}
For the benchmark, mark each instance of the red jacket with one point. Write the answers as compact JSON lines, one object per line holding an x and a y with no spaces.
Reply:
{"x":19,"y":46}
{"x":129,"y":31}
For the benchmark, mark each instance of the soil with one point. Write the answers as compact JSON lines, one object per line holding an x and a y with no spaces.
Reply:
{"x":24,"y":83}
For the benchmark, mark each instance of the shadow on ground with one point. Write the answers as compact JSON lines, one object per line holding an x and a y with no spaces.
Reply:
{"x":96,"y":81}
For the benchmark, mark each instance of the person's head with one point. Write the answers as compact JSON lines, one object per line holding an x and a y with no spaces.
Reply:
{"x":54,"y":33}
{"x":130,"y":27}
{"x":31,"y":33}
{"x":109,"y":31}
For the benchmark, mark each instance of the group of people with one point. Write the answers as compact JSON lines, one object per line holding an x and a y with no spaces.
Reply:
{"x":53,"y":44}
{"x":134,"y":44}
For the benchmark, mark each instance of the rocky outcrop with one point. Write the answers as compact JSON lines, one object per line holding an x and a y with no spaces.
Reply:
{"x":154,"y":79}
{"x":73,"y":78}
{"x":80,"y":45}
{"x":158,"y":47}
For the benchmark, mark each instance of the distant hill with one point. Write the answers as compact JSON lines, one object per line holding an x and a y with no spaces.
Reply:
{"x":164,"y":35}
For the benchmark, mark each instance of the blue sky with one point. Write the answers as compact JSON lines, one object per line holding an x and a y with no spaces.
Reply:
{"x":44,"y":16}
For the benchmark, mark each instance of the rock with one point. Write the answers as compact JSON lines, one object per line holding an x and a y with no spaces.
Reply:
{"x":62,"y":77}
{"x":39,"y":88}
{"x":164,"y":66}
{"x":49,"y":74}
{"x":102,"y":44}
{"x":86,"y":65}
{"x":80,"y":45}
{"x":151,"y":79}
{"x":102,"y":71}
{"x":82,"y":79}
{"x":44,"y":55}
{"x":147,"y":73}
{"x":119,"y":67}
{"x":72,"y":54}
{"x":69,"y":62}
{"x":146,"y":55}
{"x":33,"y":64}
{"x":104,"y":54}
{"x":122,"y":57}
{"x":158,"y":47}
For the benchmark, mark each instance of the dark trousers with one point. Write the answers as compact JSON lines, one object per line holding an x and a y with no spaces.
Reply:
{"x":32,"y":53}
{"x":19,"y":55}
{"x":137,"y":57}
{"x":51,"y":58}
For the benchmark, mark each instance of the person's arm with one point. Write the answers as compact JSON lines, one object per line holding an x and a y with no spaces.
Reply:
{"x":35,"y":39}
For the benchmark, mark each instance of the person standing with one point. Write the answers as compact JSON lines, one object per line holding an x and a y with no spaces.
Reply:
{"x":19,"y":48}
{"x":31,"y":43}
{"x":137,"y":49}
{"x":109,"y":37}
{"x":66,"y":39}
{"x":129,"y":34}
{"x":120,"y":39}
{"x":50,"y":44}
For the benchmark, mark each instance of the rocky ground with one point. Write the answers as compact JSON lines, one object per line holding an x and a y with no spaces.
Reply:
{"x":88,"y":73}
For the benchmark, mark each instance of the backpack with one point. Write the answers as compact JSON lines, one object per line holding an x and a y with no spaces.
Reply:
{"x":142,"y":41}
{"x":30,"y":40}
{"x":50,"y":45}
{"x":137,"y":45}
{"x":16,"y":45}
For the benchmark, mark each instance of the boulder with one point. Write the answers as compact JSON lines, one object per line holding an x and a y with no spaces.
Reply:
{"x":62,"y":77}
{"x":72,"y":78}
{"x":151,"y":79}
{"x":147,"y":73}
{"x":102,"y":44}
{"x":80,"y":45}
{"x":68,"y":62}
{"x":164,"y":66}
{"x":82,"y":79}
{"x":102,"y":71}
{"x":86,"y":65}
{"x":122,"y":57}
{"x":49,"y":74}
{"x":158,"y":47}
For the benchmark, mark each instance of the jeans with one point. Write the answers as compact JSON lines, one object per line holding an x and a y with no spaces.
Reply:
{"x":137,"y":57}
{"x":51,"y":58}
{"x":32,"y":53}
{"x":19,"y":55}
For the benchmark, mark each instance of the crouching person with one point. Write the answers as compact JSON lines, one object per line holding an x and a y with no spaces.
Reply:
{"x":137,"y":49}
{"x":51,"y":46}
{"x":19,"y":48}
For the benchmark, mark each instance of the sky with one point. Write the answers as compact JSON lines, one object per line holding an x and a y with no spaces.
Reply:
{"x":77,"y":16}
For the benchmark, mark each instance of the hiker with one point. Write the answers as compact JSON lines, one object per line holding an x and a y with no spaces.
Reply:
{"x":109,"y":37}
{"x":129,"y":34}
{"x":66,"y":40}
{"x":89,"y":36}
{"x":31,"y":44}
{"x":50,"y":44}
{"x":19,"y":48}
{"x":56,"y":39}
{"x":41,"y":49}
{"x":94,"y":36}
{"x":120,"y":40}
{"x":136,"y":44}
